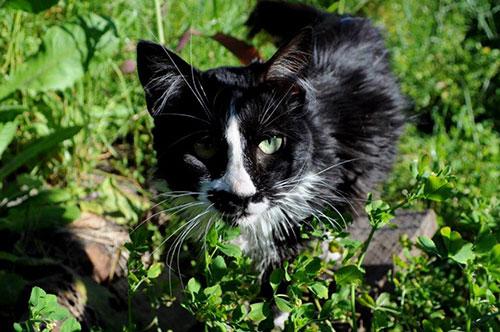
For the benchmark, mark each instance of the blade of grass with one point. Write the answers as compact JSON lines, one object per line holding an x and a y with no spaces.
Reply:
{"x":36,"y":148}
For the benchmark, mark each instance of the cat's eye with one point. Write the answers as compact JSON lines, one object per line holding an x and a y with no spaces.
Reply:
{"x":204,"y":148}
{"x":271,"y":145}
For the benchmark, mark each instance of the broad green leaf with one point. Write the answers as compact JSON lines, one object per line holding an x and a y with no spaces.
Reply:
{"x":212,"y":236}
{"x":484,"y":243}
{"x":56,"y":66}
{"x":349,"y":274}
{"x":218,"y":267}
{"x":384,"y":299}
{"x":282,"y":304}
{"x":36,"y":148}
{"x":464,"y":254}
{"x":428,"y":245}
{"x":35,"y":214}
{"x":30,"y":6}
{"x":366,"y":300}
{"x":193,"y":286}
{"x":327,"y":309}
{"x":313,"y":266}
{"x":70,"y":325}
{"x":379,"y":212}
{"x":436,"y":188}
{"x":320,"y":290}
{"x":18,"y":327}
{"x":154,"y":270}
{"x":230,"y":249}
{"x":7,"y":132}
{"x":259,"y":311}
{"x":276,"y":278}
{"x":212,"y":290}
{"x":452,"y":240}
{"x":36,"y":297}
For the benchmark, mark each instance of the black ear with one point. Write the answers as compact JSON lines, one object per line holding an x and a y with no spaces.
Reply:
{"x":163,"y":75}
{"x":292,"y":59}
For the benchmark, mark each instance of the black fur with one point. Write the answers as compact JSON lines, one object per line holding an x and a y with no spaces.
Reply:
{"x":337,"y":104}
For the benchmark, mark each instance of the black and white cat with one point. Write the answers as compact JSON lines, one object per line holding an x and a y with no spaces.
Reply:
{"x":272,"y":144}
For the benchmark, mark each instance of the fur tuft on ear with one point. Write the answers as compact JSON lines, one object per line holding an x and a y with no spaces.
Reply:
{"x":162,"y":74}
{"x":292,"y":59}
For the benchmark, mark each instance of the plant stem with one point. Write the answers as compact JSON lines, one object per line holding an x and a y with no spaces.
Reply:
{"x":353,"y":286}
{"x":365,"y":246}
{"x":353,"y":308}
{"x":159,"y":23}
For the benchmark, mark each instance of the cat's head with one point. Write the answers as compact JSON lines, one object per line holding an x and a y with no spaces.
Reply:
{"x":236,"y":137}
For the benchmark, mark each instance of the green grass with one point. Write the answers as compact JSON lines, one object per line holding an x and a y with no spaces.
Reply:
{"x":446,"y":56}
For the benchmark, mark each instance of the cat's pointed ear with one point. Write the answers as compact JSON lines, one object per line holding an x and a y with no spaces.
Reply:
{"x":162,"y":74}
{"x":291,"y":59}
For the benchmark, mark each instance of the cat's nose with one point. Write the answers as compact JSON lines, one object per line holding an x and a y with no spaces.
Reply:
{"x":227,"y":202}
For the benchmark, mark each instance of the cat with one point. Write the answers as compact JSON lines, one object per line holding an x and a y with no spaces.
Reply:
{"x":274,"y":143}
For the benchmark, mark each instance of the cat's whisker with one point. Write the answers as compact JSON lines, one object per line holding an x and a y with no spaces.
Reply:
{"x":185,"y":137}
{"x":264,"y":122}
{"x":177,"y":245}
{"x":183,"y":115}
{"x":205,"y":108}
{"x":175,"y":209}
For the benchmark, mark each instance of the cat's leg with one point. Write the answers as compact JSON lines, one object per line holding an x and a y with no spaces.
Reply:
{"x":282,"y":20}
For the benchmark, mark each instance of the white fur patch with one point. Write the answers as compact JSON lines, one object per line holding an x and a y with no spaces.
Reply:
{"x":259,"y":229}
{"x":236,"y":179}
{"x":280,"y":319}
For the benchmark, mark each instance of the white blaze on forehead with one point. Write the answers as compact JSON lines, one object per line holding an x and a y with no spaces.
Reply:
{"x":236,"y":179}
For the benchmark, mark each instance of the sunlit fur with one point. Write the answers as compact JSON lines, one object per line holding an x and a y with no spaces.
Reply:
{"x":328,"y":92}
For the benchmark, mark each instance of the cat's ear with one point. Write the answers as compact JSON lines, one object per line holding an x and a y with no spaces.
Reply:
{"x":162,"y":74}
{"x":291,"y":60}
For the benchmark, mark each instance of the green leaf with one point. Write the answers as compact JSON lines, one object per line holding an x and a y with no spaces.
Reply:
{"x":484,"y":243}
{"x":36,"y":148}
{"x":379,"y":212}
{"x":320,"y":290}
{"x":193,"y":287}
{"x":70,"y":325}
{"x":218,"y":267}
{"x":230,"y":249}
{"x":18,"y":327}
{"x":212,"y":237}
{"x":327,"y":310}
{"x":213,"y":294}
{"x":282,"y":304}
{"x":7,"y":132}
{"x":259,"y":311}
{"x":349,"y":274}
{"x":30,"y":6}
{"x":154,"y":270}
{"x":384,"y":299}
{"x":437,"y":188}
{"x":366,"y":300}
{"x":464,"y":254}
{"x":39,"y":214}
{"x":275,"y":278}
{"x":56,"y":66}
{"x":37,"y":297}
{"x":313,"y":266}
{"x":428,"y":245}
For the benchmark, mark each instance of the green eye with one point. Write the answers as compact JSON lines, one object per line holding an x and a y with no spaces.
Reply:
{"x":204,"y":148}
{"x":271,"y":145}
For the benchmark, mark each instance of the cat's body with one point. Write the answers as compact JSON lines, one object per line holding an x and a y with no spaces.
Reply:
{"x":273,"y":144}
